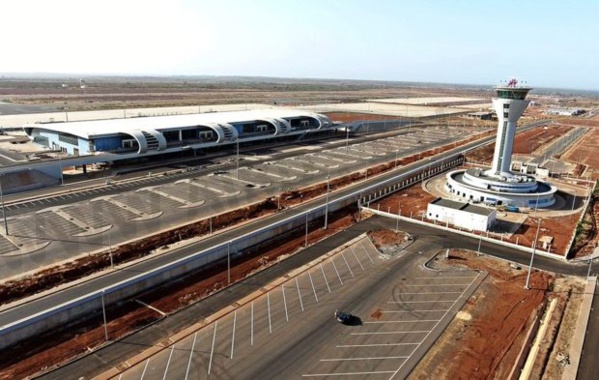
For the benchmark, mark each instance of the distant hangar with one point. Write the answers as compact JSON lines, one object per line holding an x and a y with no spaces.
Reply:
{"x":166,"y":134}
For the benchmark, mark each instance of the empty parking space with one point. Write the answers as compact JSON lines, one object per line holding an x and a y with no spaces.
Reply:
{"x":240,"y":333}
{"x":187,"y":191}
{"x":6,"y":246}
{"x":146,"y":201}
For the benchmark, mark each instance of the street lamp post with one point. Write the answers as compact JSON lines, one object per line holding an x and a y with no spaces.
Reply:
{"x":61,"y":175}
{"x":3,"y":209}
{"x":110,"y":247}
{"x":104,"y":315}
{"x":229,"y":261}
{"x":326,"y":206}
{"x":306,"y":235}
{"x":237,"y":160}
{"x":532,"y":257}
{"x":347,"y":140}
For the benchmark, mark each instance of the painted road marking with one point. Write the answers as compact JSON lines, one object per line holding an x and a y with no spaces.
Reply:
{"x":437,"y":324}
{"x":366,"y":251}
{"x":313,"y":288}
{"x":414,"y":321}
{"x":193,"y":344}
{"x":336,"y":271}
{"x":285,"y":303}
{"x":376,"y":345}
{"x":299,"y":293}
{"x":346,"y":263}
{"x":325,"y":278}
{"x":233,"y":336}
{"x":168,"y":362}
{"x":391,"y":332}
{"x":431,"y":293}
{"x":145,"y":368}
{"x":212,"y":349}
{"x":358,"y":260}
{"x":411,"y":311}
{"x":346,"y":374}
{"x":268,"y":307}
{"x":402,"y":302}
{"x":355,"y":359}
{"x":438,"y":285}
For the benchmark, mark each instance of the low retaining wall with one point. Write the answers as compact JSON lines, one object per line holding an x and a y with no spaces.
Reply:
{"x":62,"y":314}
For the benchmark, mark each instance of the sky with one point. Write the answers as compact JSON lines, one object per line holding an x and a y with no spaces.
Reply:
{"x":546,"y":43}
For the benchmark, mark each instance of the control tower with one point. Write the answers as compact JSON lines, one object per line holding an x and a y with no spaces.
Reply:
{"x":509,"y":105}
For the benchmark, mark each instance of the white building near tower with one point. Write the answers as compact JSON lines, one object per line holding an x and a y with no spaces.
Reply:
{"x":499,"y":185}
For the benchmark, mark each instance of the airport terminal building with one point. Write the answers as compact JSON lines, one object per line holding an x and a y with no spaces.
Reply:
{"x":143,"y":136}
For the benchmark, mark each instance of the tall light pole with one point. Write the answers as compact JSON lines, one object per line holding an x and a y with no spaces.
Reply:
{"x":347,"y":140}
{"x":3,"y":209}
{"x":398,"y":215}
{"x":229,"y":261}
{"x":326,"y":206}
{"x":104,"y":315}
{"x":61,"y":175}
{"x":532,"y":257}
{"x":306,"y":236}
{"x":237,"y":160}
{"x":110,"y":246}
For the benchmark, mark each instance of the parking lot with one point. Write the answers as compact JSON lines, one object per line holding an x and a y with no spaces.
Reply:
{"x":90,"y":221}
{"x":288,"y":330}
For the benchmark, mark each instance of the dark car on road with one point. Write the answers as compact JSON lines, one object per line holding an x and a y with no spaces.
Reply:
{"x":344,"y":317}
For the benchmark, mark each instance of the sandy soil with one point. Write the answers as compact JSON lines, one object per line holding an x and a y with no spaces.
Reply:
{"x":484,"y":340}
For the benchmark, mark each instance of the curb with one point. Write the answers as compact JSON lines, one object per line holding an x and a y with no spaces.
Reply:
{"x":221,"y":313}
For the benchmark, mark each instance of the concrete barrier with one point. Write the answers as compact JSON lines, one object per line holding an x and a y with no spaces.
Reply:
{"x":62,"y":314}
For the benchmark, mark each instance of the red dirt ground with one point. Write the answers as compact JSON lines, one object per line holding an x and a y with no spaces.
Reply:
{"x":525,"y":142}
{"x":26,"y":360}
{"x":414,"y":201}
{"x":585,"y":152}
{"x":484,"y":341}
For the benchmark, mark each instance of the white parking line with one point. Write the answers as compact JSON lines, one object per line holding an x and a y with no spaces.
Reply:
{"x":313,"y":288}
{"x":285,"y":303}
{"x":212,"y":349}
{"x":145,"y":368}
{"x":252,"y":324}
{"x":381,"y":322}
{"x":346,"y":263}
{"x":390,"y":332}
{"x":432,"y":293}
{"x":233,"y":337}
{"x":193,"y":344}
{"x":346,"y":374}
{"x":395,"y":302}
{"x":168,"y":362}
{"x":366,"y":251}
{"x":437,"y":324}
{"x":336,"y":271}
{"x":438,"y":285}
{"x":376,"y":345}
{"x":439,"y":277}
{"x":325,"y":278}
{"x":355,"y":359}
{"x":358,"y":260}
{"x":299,"y":293}
{"x":412,"y":311}
{"x":268,"y":307}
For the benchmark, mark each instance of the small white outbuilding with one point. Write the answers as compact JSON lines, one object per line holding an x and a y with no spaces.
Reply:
{"x":461,"y":214}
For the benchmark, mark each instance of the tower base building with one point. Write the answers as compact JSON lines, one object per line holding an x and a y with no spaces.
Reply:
{"x":499,"y":185}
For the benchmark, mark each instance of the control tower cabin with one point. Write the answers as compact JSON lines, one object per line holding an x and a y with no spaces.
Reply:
{"x":509,"y":104}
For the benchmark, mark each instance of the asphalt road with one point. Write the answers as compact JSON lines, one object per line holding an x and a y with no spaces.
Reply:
{"x":425,"y":237}
{"x":589,"y":366}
